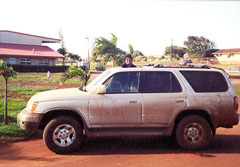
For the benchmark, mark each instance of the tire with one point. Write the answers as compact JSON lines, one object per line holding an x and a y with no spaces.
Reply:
{"x":193,"y":133}
{"x":63,"y":134}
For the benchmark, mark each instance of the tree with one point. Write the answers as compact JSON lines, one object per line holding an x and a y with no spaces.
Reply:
{"x":198,"y":46}
{"x":137,"y":53}
{"x":107,"y":50}
{"x":73,"y":56}
{"x":62,"y":51}
{"x":140,"y":59}
{"x":6,"y":72}
{"x":76,"y":72}
{"x":176,"y":51}
{"x":152,"y":58}
{"x":134,"y":53}
{"x":130,"y":49}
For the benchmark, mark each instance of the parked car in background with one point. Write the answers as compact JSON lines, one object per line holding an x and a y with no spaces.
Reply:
{"x":233,"y":72}
{"x":148,"y":65}
{"x":185,"y":62}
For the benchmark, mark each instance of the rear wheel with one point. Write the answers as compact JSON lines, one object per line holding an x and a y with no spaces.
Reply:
{"x":63,"y":134}
{"x":193,"y":133}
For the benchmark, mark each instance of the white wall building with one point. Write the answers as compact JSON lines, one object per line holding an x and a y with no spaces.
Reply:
{"x":27,"y":49}
{"x":228,"y":56}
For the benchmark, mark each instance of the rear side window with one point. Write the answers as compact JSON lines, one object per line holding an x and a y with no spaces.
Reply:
{"x":206,"y":81}
{"x":159,"y":82}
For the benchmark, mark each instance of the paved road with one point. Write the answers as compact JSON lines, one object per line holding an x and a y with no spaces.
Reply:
{"x":224,"y":150}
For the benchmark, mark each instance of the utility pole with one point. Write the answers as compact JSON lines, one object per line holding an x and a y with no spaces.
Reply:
{"x":171,"y":50}
{"x":88,"y":56}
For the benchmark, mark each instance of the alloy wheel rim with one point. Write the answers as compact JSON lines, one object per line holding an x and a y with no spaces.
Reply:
{"x":194,"y":133}
{"x":64,"y":135}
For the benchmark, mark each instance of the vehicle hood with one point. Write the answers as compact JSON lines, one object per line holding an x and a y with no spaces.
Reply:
{"x":59,"y":95}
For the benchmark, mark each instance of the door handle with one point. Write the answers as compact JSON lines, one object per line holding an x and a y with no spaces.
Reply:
{"x":180,"y":101}
{"x":133,"y":101}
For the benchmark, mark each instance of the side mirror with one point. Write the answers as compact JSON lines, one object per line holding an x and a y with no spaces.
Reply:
{"x":101,"y":89}
{"x":83,"y":88}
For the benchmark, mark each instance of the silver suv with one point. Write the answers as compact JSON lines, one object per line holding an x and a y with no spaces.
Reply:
{"x":187,"y":103}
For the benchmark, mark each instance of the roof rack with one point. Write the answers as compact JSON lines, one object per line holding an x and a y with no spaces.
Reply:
{"x":202,"y":66}
{"x":196,"y":66}
{"x":218,"y":68}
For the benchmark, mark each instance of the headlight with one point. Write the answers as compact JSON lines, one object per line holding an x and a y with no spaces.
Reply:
{"x":31,"y":106}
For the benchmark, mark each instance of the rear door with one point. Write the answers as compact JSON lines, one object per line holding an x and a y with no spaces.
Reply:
{"x":210,"y":91}
{"x":162,"y":96}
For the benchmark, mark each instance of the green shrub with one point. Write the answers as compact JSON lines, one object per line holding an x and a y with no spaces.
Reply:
{"x":100,"y":67}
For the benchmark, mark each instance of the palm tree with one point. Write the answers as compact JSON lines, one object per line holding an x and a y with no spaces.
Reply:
{"x":130,"y":49}
{"x":63,"y":52}
{"x":76,"y":72}
{"x":134,"y":53}
{"x":6,"y":72}
{"x":107,"y":50}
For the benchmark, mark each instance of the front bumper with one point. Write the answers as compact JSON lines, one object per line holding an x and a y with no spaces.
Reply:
{"x":27,"y":121}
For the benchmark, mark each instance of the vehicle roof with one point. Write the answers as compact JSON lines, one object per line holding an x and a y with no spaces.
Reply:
{"x":166,"y":68}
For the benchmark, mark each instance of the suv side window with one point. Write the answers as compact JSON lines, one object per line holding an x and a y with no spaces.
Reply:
{"x":124,"y":82}
{"x":159,"y":82}
{"x":206,"y":81}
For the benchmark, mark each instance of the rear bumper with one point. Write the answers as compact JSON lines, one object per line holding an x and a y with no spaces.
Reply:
{"x":28,"y":122}
{"x":226,"y":121}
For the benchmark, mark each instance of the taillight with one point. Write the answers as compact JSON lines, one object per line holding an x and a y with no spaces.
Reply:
{"x":235,"y":103}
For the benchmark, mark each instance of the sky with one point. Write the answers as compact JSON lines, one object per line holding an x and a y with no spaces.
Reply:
{"x":148,"y":25}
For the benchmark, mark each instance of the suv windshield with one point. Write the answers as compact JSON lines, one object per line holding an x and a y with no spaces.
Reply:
{"x":98,"y":79}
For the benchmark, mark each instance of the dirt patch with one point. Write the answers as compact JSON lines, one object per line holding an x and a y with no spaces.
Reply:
{"x":37,"y":74}
{"x":51,"y":85}
{"x":18,"y":96}
{"x":136,"y":152}
{"x":235,"y":81}
{"x":33,"y":84}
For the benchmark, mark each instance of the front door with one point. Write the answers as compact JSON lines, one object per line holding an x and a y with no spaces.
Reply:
{"x":121,"y":106}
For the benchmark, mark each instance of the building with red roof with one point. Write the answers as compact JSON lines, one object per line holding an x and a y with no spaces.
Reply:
{"x":26,"y":49}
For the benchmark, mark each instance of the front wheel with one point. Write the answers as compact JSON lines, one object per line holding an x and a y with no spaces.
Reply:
{"x":63,"y":134}
{"x":193,"y":133}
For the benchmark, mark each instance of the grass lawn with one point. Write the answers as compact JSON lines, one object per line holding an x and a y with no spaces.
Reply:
{"x":11,"y":132}
{"x":20,"y":89}
{"x":237,"y":89}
